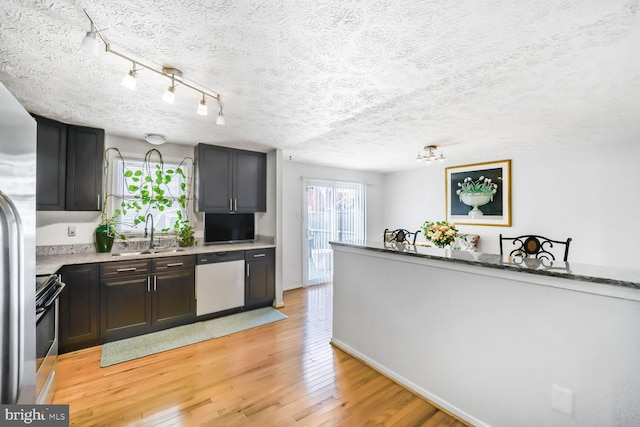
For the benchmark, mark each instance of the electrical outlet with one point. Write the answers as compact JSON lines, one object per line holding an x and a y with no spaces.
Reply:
{"x":562,"y":399}
{"x":71,"y":231}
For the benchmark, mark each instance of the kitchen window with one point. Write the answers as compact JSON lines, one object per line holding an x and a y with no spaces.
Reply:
{"x":162,"y":220}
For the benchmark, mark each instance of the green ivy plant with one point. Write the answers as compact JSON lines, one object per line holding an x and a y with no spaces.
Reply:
{"x":149,"y":188}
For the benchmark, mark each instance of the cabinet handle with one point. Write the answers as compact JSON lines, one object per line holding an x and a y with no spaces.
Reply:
{"x":235,"y":206}
{"x":176,"y":264}
{"x":259,"y":255}
{"x":230,"y":204}
{"x":155,"y":283}
{"x":121,"y":270}
{"x":99,"y":204}
{"x":203,"y":260}
{"x":148,"y":284}
{"x":248,"y":268}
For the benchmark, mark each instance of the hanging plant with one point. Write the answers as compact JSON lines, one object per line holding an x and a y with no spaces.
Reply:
{"x":149,"y":189}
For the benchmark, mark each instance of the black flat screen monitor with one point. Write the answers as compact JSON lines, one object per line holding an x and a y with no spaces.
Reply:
{"x":228,"y":228}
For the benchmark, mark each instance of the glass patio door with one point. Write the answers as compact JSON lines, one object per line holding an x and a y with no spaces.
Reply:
{"x":334,"y":211}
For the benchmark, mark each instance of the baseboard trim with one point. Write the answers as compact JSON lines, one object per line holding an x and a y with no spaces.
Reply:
{"x":413,"y":388}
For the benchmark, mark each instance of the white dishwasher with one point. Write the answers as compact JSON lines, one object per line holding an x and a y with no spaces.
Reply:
{"x":219,"y":282}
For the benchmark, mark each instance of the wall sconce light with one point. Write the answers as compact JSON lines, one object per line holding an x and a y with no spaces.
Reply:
{"x":90,"y":46}
{"x":429,"y":153}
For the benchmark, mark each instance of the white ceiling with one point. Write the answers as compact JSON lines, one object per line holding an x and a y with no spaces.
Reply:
{"x":357,"y":84}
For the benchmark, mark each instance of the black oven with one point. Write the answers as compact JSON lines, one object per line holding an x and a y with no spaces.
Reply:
{"x":48,"y":290}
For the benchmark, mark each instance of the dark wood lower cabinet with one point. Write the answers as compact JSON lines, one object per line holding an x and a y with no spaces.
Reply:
{"x":125,"y":307}
{"x":173,"y":296}
{"x":115,"y":300}
{"x":133,"y":304}
{"x":79,"y":301}
{"x":260,"y":278}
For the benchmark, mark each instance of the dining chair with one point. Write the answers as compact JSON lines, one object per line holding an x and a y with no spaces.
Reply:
{"x":400,"y":236}
{"x":534,"y":246}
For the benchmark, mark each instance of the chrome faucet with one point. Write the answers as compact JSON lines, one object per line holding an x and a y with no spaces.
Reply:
{"x":146,"y":221}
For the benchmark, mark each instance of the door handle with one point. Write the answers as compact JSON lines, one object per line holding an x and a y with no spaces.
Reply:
{"x":12,"y":367}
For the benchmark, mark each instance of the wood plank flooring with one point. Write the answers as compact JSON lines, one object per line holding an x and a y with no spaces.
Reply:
{"x":282,"y":374}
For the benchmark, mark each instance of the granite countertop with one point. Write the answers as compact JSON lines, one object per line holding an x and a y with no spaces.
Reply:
{"x":50,"y":264}
{"x":622,"y":277}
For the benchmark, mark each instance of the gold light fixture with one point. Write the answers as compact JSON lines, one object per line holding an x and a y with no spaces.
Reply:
{"x":429,"y":153}
{"x":202,"y":108}
{"x":90,"y":46}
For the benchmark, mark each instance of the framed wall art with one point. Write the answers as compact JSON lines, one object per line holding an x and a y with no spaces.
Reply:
{"x":479,"y":194}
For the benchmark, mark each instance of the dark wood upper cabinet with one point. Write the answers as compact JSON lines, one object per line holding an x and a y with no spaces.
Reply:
{"x":230,"y":180}
{"x":69,"y":166}
{"x":51,"y":164}
{"x":85,"y":153}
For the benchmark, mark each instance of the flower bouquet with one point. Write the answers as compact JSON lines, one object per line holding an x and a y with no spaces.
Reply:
{"x":441,"y":233}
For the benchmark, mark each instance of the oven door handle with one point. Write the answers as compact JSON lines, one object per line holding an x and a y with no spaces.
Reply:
{"x":53,"y":297}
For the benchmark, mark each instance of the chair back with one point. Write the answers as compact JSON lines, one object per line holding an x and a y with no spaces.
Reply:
{"x":534,"y":246}
{"x":400,"y":236}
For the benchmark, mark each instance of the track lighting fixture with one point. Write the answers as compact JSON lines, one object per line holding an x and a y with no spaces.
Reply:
{"x":131,"y":79}
{"x":170,"y":94}
{"x":220,"y":118}
{"x":90,"y":45}
{"x":202,"y":108}
{"x":429,"y":153}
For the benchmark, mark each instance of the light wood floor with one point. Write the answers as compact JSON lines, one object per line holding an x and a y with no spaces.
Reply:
{"x":282,"y":374}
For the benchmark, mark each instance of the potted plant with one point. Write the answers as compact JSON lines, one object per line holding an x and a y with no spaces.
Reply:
{"x":185,"y":234}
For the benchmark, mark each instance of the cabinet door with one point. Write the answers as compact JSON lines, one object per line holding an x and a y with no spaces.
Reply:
{"x":213,"y":178}
{"x":173,"y":301}
{"x":51,"y":164}
{"x":260,"y":280}
{"x":85,"y":153}
{"x":125,"y":307}
{"x":249,"y":181}
{"x":79,"y":307}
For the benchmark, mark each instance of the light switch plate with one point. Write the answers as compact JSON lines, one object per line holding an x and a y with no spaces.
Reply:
{"x":562,"y":399}
{"x":71,"y":231}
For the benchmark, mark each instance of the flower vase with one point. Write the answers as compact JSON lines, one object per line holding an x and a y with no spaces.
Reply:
{"x":104,"y":237}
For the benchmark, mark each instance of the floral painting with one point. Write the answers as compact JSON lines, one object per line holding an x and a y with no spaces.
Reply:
{"x":479,"y":194}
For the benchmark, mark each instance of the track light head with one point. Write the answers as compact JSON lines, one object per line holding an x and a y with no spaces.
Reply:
{"x":89,"y":45}
{"x":220,"y":119}
{"x":170,"y":95}
{"x":130,"y":80}
{"x":202,"y":108}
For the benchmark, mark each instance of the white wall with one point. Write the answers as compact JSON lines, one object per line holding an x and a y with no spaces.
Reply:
{"x":586,"y":193}
{"x":293,"y":210}
{"x":52,"y":225}
{"x":489,"y":344}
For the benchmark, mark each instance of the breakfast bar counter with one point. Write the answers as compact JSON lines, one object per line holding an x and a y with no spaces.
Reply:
{"x":494,"y":340}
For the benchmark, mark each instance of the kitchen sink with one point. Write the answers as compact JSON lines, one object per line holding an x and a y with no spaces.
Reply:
{"x":149,"y":251}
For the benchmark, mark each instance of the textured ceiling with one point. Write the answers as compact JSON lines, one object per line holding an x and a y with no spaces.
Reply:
{"x":358,"y":84}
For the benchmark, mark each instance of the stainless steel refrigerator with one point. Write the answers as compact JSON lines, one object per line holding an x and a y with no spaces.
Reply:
{"x":17,"y":257}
